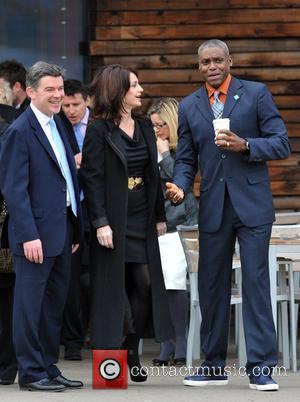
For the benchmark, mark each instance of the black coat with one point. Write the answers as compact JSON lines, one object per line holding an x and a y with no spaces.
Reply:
{"x":23,"y":106}
{"x":105,"y":182}
{"x":7,"y":115}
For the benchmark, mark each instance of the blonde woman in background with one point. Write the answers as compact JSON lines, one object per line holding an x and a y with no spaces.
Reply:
{"x":5,"y":93}
{"x":7,"y":112}
{"x":164,"y":117}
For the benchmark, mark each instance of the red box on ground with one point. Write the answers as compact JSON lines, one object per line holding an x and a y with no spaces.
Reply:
{"x":110,"y":369}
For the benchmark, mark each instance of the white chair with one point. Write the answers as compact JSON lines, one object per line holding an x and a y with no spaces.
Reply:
{"x":286,"y":228}
{"x":189,"y":239}
{"x":288,"y":274}
{"x":287,"y":218}
{"x":236,"y":301}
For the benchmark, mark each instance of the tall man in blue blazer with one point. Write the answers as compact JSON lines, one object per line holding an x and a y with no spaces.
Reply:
{"x":235,"y":202}
{"x":38,"y":181}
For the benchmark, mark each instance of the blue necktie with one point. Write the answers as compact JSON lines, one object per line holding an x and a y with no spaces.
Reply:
{"x":79,"y":137}
{"x":64,"y":164}
{"x":217,"y":106}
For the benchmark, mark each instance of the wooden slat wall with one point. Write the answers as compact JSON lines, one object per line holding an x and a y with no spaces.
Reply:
{"x":159,"y":38}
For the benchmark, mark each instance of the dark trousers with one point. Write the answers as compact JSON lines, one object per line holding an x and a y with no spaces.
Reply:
{"x":77,"y":308}
{"x":72,"y":335}
{"x":8,"y":362}
{"x":215,"y":273}
{"x":40,"y":296}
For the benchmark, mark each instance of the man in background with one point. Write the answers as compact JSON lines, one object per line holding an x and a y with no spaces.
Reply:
{"x":76,"y":314}
{"x":15,"y":74}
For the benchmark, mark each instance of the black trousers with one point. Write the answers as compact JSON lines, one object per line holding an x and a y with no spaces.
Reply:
{"x":72,"y":335}
{"x":77,"y":309}
{"x":8,"y":362}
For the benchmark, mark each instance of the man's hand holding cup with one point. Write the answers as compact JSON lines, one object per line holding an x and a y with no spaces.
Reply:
{"x":226,"y":139}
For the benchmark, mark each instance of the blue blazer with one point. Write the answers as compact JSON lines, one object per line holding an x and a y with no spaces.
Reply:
{"x":253,"y":115}
{"x":33,"y":186}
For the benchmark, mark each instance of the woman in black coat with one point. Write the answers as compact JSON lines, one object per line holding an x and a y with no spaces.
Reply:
{"x":126,"y":207}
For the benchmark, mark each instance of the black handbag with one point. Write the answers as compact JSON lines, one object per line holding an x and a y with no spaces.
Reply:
{"x":6,"y":261}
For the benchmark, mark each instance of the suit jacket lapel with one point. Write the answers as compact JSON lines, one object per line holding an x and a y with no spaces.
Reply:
{"x":204,"y":105}
{"x":63,"y":134}
{"x":235,"y":92}
{"x":41,"y":136}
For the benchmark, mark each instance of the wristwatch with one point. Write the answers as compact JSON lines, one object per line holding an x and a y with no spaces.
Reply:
{"x":247,"y":145}
{"x":247,"y":150}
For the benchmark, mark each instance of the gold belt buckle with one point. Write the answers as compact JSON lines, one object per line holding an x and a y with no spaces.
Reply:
{"x":133,"y":182}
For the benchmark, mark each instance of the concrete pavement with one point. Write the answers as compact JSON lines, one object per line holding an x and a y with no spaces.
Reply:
{"x":164,"y":387}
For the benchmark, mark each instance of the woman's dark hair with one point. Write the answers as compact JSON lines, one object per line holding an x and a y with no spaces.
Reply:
{"x":108,"y":89}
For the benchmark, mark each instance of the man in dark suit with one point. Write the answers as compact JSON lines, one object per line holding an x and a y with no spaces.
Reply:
{"x":76,"y":314}
{"x":38,"y":181}
{"x":235,"y":202}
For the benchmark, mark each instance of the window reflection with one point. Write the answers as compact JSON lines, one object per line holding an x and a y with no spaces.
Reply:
{"x":50,"y":30}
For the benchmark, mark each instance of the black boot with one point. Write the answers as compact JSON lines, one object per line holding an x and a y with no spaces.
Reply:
{"x":137,"y":373}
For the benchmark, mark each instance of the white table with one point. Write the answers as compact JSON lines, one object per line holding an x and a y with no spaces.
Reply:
{"x":284,"y":239}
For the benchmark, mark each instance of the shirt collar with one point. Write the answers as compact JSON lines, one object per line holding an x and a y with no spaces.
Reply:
{"x":223,"y":88}
{"x":84,"y":120}
{"x":86,"y":117}
{"x":43,"y":119}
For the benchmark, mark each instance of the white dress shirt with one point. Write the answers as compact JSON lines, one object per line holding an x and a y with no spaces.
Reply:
{"x":44,"y":120}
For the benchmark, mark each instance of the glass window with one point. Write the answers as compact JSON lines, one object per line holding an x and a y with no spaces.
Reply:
{"x":49,"y":30}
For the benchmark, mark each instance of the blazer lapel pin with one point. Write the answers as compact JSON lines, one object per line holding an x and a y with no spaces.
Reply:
{"x":236,"y":97}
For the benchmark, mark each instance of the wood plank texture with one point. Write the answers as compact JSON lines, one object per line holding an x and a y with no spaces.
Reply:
{"x":292,"y":128}
{"x":285,"y":188}
{"x":293,"y":160}
{"x":191,"y":4}
{"x":290,"y":203}
{"x":157,"y":4}
{"x":225,"y":31}
{"x":283,"y":173}
{"x":188,"y":46}
{"x":173,"y":17}
{"x":183,"y":61}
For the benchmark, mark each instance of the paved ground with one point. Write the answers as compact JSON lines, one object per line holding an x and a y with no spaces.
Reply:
{"x":157,"y":388}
